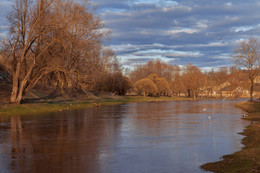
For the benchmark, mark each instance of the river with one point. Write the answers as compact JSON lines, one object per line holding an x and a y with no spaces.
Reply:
{"x":152,"y":137}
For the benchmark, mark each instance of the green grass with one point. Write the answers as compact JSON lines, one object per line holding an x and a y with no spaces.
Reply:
{"x":55,"y":106}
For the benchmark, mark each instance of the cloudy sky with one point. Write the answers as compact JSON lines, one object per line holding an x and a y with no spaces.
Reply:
{"x":201,"y":32}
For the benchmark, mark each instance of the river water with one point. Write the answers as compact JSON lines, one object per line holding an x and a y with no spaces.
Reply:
{"x":154,"y":137}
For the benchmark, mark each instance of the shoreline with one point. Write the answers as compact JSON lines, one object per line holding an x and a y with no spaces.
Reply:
{"x":248,"y":158}
{"x":48,"y":106}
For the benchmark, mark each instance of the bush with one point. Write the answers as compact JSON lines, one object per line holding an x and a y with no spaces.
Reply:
{"x":115,"y":83}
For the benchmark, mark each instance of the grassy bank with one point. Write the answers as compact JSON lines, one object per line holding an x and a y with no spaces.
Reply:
{"x":44,"y":106}
{"x":248,"y":159}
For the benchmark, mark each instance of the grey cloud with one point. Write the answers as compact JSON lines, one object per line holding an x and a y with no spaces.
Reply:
{"x":204,"y":26}
{"x":5,"y":7}
{"x":135,"y":61}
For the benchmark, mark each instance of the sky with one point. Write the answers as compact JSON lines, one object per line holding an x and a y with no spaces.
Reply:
{"x":201,"y":32}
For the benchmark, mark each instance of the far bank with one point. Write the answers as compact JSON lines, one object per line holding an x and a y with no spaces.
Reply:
{"x":51,"y":105}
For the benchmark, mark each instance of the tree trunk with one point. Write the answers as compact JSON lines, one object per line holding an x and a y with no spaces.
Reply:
{"x":251,"y":89}
{"x":194,"y":95}
{"x":15,"y":86}
{"x":18,"y":85}
{"x":189,"y":94}
{"x":14,"y":91}
{"x":21,"y":92}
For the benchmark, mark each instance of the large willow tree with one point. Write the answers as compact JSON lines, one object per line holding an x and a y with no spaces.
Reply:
{"x":60,"y":39}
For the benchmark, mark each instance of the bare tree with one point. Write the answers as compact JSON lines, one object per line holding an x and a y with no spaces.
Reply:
{"x":177,"y":85}
{"x":246,"y":55}
{"x":161,"y":84}
{"x":60,"y":38}
{"x":157,"y":67}
{"x":163,"y":87}
{"x":193,"y":79}
{"x":115,"y":83}
{"x":110,"y":77}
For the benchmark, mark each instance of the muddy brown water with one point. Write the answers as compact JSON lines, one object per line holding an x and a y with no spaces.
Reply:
{"x":159,"y":137}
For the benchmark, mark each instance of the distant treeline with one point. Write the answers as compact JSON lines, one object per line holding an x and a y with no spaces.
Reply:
{"x":159,"y":78}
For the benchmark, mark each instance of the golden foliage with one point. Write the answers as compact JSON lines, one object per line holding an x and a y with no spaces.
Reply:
{"x":163,"y":87}
{"x":53,"y":42}
{"x":146,"y":86}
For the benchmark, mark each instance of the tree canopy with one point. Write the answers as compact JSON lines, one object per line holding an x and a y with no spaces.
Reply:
{"x":146,"y":86}
{"x":55,"y":41}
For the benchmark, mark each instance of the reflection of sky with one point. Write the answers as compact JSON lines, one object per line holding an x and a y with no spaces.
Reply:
{"x":174,"y":136}
{"x":201,"y":32}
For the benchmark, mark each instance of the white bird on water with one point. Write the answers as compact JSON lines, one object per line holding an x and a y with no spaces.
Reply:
{"x":204,"y":109}
{"x":209,"y":117}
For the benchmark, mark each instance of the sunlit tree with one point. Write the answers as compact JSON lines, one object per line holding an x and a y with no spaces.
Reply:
{"x":246,"y":55}
{"x":146,"y":86}
{"x":56,"y":39}
{"x":163,"y":87}
{"x":193,"y":80}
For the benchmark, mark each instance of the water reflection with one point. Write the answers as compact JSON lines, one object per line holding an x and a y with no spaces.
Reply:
{"x":142,"y":137}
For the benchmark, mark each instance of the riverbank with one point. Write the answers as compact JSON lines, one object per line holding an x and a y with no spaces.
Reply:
{"x":50,"y":105}
{"x":248,"y":159}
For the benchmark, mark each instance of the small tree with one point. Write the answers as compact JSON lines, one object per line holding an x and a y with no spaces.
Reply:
{"x":247,"y":55}
{"x":163,"y":86}
{"x":147,"y":86}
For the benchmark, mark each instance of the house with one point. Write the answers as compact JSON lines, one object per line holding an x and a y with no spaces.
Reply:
{"x":257,"y":79}
{"x":257,"y":90}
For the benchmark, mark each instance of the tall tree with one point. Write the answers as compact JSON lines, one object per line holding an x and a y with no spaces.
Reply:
{"x":246,"y":55}
{"x":163,"y":87}
{"x":193,"y":80}
{"x":51,"y":37}
{"x":177,"y":84}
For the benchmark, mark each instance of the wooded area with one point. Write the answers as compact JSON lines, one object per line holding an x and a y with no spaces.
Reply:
{"x":189,"y":80}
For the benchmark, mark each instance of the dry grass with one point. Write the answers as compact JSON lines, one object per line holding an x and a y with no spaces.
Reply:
{"x":248,"y":159}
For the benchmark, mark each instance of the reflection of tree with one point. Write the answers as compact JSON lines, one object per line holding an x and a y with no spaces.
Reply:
{"x":17,"y":147}
{"x":62,"y":143}
{"x":152,"y":118}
